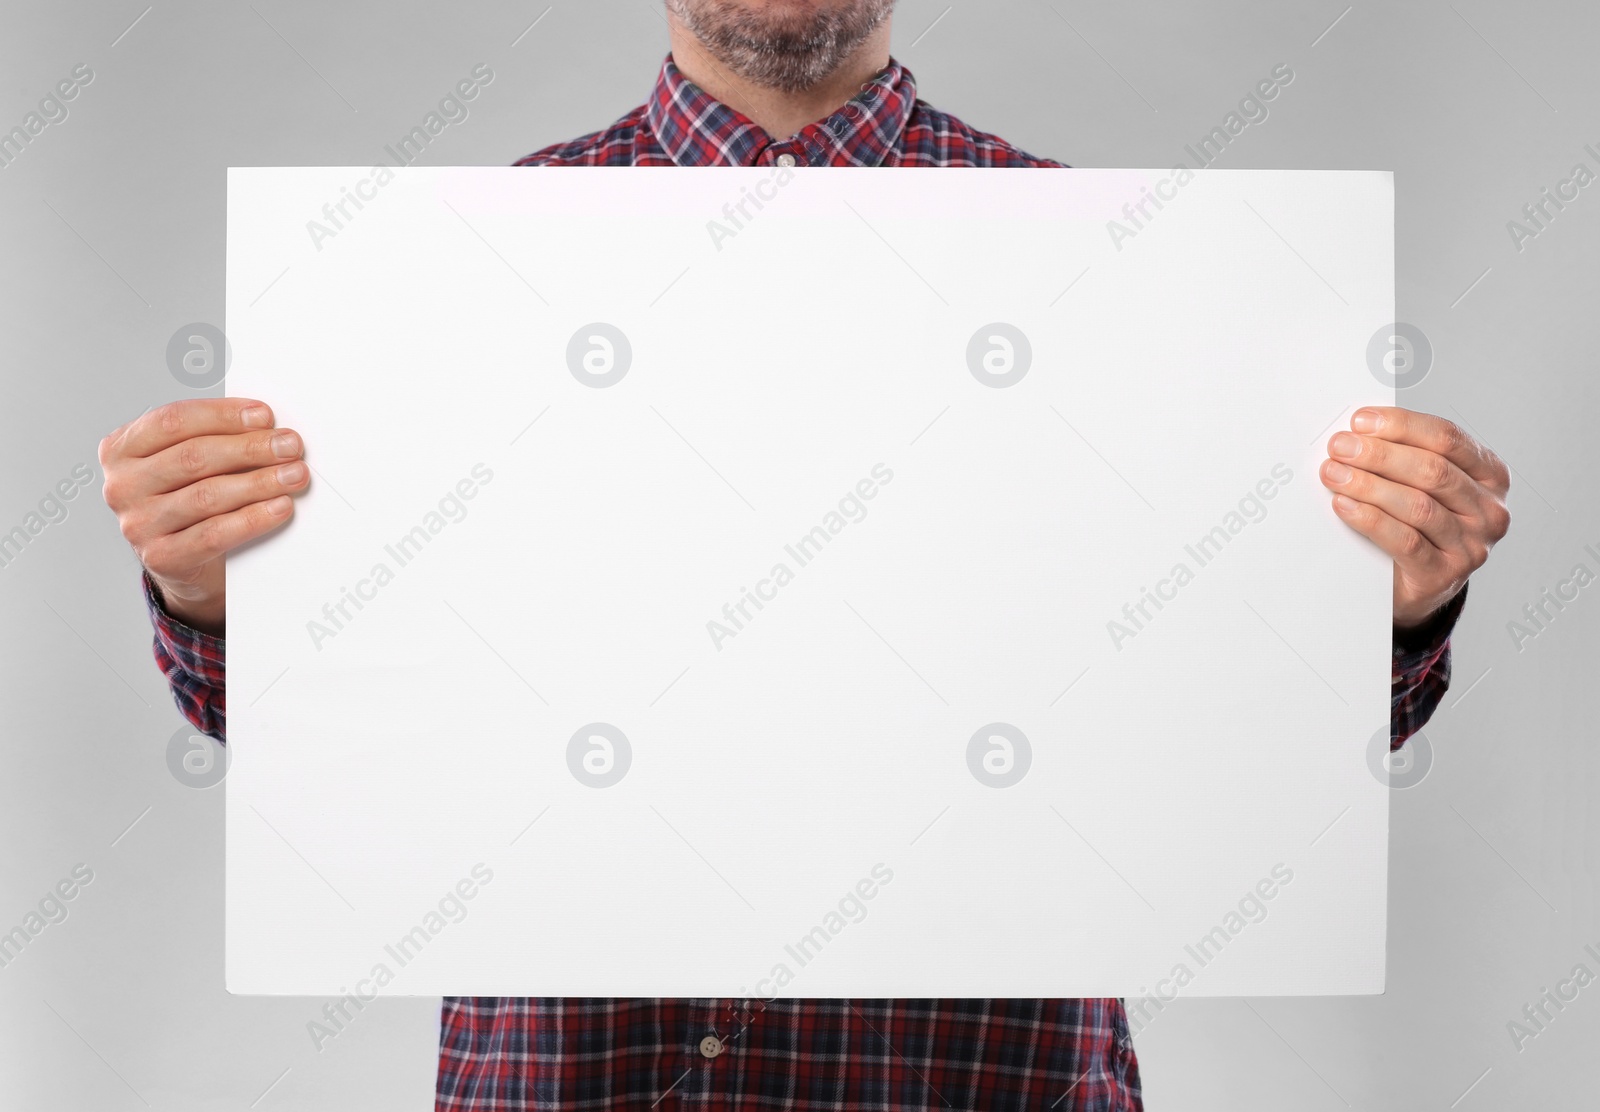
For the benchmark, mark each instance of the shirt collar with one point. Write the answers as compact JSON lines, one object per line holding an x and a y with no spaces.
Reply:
{"x":696,"y":129}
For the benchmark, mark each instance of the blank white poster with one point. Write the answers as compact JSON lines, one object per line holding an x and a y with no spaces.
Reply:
{"x":818,"y":582}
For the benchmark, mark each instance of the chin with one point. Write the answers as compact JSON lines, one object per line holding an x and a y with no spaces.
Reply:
{"x":789,"y":45}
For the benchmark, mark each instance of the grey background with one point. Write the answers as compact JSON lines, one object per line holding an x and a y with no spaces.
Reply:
{"x":113,"y":226}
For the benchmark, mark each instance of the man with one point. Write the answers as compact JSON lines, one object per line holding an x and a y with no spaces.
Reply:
{"x":193,"y":480}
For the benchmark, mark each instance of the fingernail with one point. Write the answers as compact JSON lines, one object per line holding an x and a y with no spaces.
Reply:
{"x":1365,"y":420}
{"x":1337,"y":473}
{"x":285,"y":445}
{"x":291,"y":474}
{"x":1345,"y":445}
{"x":279,"y":506}
{"x":256,"y":417}
{"x":1343,"y":504}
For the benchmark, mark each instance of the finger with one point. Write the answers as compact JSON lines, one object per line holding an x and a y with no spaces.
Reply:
{"x":1406,"y":545}
{"x":176,"y":422}
{"x":221,"y":494}
{"x":1419,"y":468}
{"x":203,"y":456}
{"x":1435,"y":434}
{"x":213,"y":537}
{"x":1406,"y":504}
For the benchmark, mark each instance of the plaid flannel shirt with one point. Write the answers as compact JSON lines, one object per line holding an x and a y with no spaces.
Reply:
{"x":510,"y":1053}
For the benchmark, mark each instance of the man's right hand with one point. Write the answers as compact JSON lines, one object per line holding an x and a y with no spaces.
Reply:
{"x":192,"y":480}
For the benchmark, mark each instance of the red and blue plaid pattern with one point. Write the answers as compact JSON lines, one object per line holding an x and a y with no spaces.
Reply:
{"x":795,"y":1055}
{"x":633,"y":1055}
{"x":882,"y":125}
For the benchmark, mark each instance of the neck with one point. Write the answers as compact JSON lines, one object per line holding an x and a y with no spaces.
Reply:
{"x":778,"y":113}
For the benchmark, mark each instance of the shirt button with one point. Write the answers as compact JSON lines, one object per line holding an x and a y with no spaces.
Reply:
{"x":710,"y":1046}
{"x":784,"y":160}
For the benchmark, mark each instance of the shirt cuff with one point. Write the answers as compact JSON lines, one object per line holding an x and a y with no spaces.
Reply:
{"x":1416,"y":649}
{"x":199,"y":654}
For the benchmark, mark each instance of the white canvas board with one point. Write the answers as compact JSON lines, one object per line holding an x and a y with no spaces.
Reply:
{"x":753,"y":583}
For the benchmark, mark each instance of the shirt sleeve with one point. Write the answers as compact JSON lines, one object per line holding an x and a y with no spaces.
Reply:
{"x":193,"y":664}
{"x":1421,"y":670}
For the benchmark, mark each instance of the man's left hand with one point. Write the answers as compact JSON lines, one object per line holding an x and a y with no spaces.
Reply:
{"x":1425,"y":492}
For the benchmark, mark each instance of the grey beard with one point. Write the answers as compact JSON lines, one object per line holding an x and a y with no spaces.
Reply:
{"x":786,"y":59}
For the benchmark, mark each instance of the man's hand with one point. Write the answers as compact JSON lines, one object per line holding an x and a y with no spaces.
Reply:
{"x":1426,"y":493}
{"x":191,"y":481}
